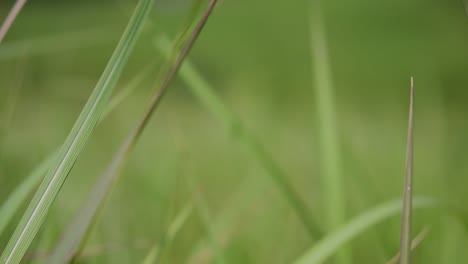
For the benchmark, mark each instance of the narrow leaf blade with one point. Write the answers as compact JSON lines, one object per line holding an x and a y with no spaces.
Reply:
{"x":80,"y":133}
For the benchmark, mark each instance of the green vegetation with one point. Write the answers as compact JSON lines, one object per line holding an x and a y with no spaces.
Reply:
{"x":281,"y":140}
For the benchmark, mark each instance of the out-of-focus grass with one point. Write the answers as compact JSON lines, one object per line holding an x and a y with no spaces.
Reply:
{"x":259,"y":65}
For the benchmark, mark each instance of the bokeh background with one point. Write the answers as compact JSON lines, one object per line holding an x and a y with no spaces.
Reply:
{"x":257,"y":55}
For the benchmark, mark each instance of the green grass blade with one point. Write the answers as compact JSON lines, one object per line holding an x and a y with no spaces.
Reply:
{"x":405,"y":236}
{"x":330,"y":244}
{"x":21,"y":193}
{"x":76,"y":232}
{"x":332,"y":176}
{"x":80,"y":133}
{"x":204,"y":92}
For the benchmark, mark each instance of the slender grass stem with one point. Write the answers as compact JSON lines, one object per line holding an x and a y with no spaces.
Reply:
{"x":405,"y":236}
{"x":14,"y":12}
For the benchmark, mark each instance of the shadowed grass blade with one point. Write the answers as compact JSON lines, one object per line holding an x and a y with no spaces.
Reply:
{"x":330,"y":244}
{"x":76,"y":232}
{"x":204,"y":92}
{"x":332,"y":178}
{"x":80,"y":133}
{"x":405,"y":236}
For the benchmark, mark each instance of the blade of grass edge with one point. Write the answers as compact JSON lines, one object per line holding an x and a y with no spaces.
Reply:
{"x":405,"y":235}
{"x":332,"y":178}
{"x":204,"y":92}
{"x":80,"y":133}
{"x":331,"y":243}
{"x":73,"y":237}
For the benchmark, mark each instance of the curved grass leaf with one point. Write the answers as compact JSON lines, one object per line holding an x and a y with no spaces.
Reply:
{"x":204,"y":92}
{"x":80,"y":133}
{"x":330,"y":244}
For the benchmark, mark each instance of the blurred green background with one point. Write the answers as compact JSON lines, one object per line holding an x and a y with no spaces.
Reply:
{"x":257,"y":54}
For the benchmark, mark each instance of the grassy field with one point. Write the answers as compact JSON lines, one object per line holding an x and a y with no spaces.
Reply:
{"x":281,"y":135}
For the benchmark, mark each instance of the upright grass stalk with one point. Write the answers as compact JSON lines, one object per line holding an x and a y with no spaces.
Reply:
{"x":405,"y":235}
{"x":79,"y":135}
{"x":14,"y":12}
{"x":332,"y":178}
{"x":333,"y":241}
{"x":204,"y":92}
{"x":78,"y":229}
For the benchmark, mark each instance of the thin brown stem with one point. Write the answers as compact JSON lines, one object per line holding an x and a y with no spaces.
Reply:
{"x":11,"y":18}
{"x":405,"y":235}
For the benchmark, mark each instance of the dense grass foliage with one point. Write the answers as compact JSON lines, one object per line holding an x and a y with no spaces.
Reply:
{"x":192,"y":190}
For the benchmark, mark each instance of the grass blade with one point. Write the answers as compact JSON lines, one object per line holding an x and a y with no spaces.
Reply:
{"x":332,"y":177}
{"x":405,"y":236}
{"x":14,"y":12}
{"x":79,"y":227}
{"x":80,"y":133}
{"x":330,"y":244}
{"x":204,"y":92}
{"x":21,"y":193}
